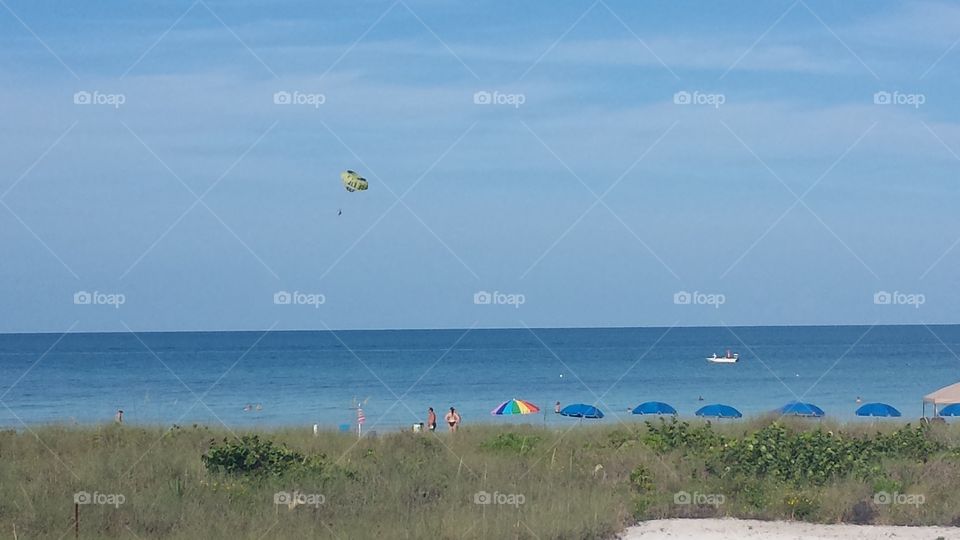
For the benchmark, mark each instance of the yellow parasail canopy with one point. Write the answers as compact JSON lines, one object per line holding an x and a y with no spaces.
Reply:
{"x":353,"y":181}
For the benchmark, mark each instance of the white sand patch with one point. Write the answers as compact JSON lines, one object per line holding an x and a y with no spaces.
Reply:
{"x":735,"y":529}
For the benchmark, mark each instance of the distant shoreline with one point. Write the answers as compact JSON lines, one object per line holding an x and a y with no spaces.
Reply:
{"x":748,"y":421}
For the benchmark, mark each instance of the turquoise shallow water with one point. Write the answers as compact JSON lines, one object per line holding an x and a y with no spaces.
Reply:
{"x":301,"y":378}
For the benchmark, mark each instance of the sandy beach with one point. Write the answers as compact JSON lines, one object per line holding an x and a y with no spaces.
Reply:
{"x":731,"y":529}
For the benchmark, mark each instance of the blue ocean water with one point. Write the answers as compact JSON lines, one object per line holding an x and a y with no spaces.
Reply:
{"x":302,"y":378}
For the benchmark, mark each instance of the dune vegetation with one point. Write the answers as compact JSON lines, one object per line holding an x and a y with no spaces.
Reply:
{"x":489,"y":481}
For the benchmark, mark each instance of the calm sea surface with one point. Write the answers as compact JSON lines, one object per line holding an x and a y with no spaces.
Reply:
{"x":302,"y":378}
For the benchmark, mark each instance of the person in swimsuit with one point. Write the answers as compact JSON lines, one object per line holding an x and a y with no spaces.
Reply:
{"x":453,"y":419}
{"x":431,"y":419}
{"x":556,"y":408}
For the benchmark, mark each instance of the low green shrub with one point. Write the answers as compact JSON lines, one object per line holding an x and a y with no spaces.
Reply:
{"x":665,"y":436}
{"x":806,"y":457}
{"x":251,"y":455}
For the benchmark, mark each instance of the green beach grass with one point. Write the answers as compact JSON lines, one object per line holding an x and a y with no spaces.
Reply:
{"x":490,"y":481}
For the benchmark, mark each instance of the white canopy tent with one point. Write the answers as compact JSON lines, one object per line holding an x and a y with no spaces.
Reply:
{"x":947,"y":395}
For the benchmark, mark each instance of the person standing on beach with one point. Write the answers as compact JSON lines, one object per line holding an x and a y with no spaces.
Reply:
{"x":431,"y":419}
{"x":453,"y":419}
{"x":118,"y":418}
{"x":556,"y":408}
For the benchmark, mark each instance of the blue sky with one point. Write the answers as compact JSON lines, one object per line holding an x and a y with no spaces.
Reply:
{"x":788,"y":192}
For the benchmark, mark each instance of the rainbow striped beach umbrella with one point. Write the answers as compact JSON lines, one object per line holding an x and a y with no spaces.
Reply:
{"x":515,"y":406}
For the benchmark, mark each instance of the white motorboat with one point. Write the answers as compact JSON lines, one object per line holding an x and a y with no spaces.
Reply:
{"x":729,"y":358}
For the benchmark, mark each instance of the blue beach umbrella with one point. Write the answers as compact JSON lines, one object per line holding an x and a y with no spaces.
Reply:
{"x":718,"y":410}
{"x":581,"y":410}
{"x":796,"y":408}
{"x":950,"y":410}
{"x":654,"y":407}
{"x":877,"y":409}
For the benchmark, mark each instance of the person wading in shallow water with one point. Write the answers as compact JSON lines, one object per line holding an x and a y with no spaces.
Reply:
{"x":431,"y":420}
{"x":453,"y":419}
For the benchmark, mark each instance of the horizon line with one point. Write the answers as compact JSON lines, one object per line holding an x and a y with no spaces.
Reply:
{"x":472,"y":329}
